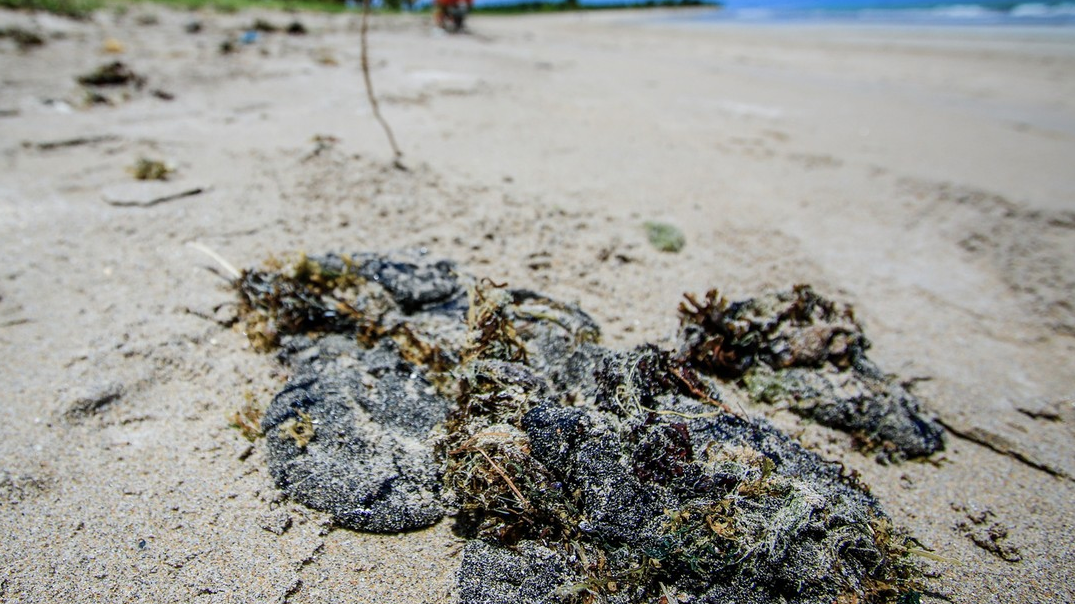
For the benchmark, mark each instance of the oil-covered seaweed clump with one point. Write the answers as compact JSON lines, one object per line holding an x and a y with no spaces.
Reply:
{"x":644,"y":490}
{"x":798,"y":348}
{"x":579,"y":473}
{"x":368,"y":340}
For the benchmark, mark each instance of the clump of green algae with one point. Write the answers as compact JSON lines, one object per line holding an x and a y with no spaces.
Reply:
{"x":150,"y":169}
{"x":665,"y":237}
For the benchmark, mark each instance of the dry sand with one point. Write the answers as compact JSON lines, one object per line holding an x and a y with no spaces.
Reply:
{"x":923,"y":175}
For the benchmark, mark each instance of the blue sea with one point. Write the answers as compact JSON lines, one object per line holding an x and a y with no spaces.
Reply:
{"x":983,"y":13}
{"x":924,"y":12}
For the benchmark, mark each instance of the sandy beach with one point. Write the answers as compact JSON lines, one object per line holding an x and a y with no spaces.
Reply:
{"x":922,"y":175}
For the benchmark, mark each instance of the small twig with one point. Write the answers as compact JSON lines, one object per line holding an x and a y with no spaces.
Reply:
{"x":701,"y":395}
{"x":227,"y":266}
{"x":681,"y":414}
{"x":369,"y":88}
{"x":928,"y":555}
{"x":73,"y":142}
{"x":469,"y":445}
{"x":912,"y":381}
{"x":504,"y":475}
{"x":134,"y":203}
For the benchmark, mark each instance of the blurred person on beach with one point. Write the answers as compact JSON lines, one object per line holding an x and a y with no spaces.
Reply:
{"x":441,"y":8}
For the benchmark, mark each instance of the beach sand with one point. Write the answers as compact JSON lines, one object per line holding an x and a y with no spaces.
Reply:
{"x":923,"y":175}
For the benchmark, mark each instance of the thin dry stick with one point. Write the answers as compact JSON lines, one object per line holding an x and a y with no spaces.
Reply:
{"x":504,"y":475}
{"x":369,"y":87}
{"x":229,"y":267}
{"x":702,"y":395}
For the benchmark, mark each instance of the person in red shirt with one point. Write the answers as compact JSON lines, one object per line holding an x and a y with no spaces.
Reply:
{"x":441,"y":9}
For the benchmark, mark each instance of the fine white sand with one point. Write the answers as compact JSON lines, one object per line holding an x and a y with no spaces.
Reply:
{"x":924,"y":175}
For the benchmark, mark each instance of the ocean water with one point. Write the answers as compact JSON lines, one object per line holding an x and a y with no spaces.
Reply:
{"x":981,"y":13}
{"x":940,"y":12}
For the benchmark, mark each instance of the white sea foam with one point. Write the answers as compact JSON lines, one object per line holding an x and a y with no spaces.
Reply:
{"x":1040,"y":10}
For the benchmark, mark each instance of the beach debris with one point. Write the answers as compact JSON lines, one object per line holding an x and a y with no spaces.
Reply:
{"x":116,"y":73}
{"x":72,"y":142}
{"x":368,"y":393}
{"x":264,"y":26}
{"x":578,"y":472}
{"x":346,"y":435}
{"x":147,"y":19}
{"x":665,"y":237}
{"x":229,"y":46}
{"x":645,"y":487}
{"x":150,"y":169}
{"x":24,"y":39}
{"x":322,"y":143}
{"x":113,"y":46}
{"x":145,"y":194}
{"x":797,"y":348}
{"x":247,"y":419}
{"x":193,"y":27}
{"x":371,"y":96}
{"x":93,"y":97}
{"x":296,"y":28}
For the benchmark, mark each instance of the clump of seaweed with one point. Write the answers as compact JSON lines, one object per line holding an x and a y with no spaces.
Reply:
{"x":150,"y":169}
{"x":787,"y":329}
{"x":23,"y":38}
{"x":579,"y":473}
{"x":491,"y":334}
{"x":800,"y":349}
{"x":247,"y":419}
{"x":116,"y":73}
{"x":264,"y":26}
{"x":650,"y":486}
{"x":488,"y":470}
{"x":302,"y":296}
{"x":366,"y":298}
